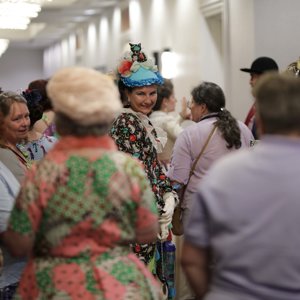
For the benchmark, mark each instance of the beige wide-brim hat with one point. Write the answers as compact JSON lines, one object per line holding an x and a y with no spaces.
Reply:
{"x":84,"y":95}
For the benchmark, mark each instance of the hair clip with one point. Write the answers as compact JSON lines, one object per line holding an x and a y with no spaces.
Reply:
{"x":33,"y":97}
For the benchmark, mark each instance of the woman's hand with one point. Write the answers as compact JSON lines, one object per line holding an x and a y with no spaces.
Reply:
{"x":170,"y":203}
{"x":17,"y":244}
{"x":185,"y":112}
{"x":166,"y":218}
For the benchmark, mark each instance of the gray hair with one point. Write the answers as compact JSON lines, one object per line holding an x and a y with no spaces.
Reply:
{"x":67,"y":126}
{"x":6,"y":101}
{"x":213,"y":97}
{"x":278,"y":103}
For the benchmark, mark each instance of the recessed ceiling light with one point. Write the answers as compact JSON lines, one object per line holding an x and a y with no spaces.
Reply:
{"x":90,"y":12}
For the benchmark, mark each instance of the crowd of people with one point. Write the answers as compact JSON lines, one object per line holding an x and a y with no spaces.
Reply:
{"x":92,"y":168}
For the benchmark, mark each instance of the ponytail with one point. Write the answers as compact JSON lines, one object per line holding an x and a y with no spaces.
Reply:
{"x":213,"y":96}
{"x":229,"y":129}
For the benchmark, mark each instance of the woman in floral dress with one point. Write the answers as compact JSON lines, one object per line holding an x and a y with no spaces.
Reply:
{"x":84,"y":203}
{"x":134,"y":134}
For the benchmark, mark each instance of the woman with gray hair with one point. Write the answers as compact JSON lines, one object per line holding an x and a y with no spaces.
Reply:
{"x":215,"y":134}
{"x":213,"y":120}
{"x":84,"y":203}
{"x":245,"y":216}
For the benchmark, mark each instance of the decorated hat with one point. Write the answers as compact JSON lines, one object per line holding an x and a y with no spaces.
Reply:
{"x":84,"y":95}
{"x":294,"y":68}
{"x":262,"y":65}
{"x":136,"y":69}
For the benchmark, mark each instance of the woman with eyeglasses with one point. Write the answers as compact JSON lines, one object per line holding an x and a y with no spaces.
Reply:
{"x":208,"y":111}
{"x":216,"y":132}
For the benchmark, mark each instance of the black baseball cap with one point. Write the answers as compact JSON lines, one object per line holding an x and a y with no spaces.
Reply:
{"x":261,"y":65}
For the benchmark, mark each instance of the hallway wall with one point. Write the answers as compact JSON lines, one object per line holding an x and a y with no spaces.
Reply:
{"x":175,"y":24}
{"x":20,"y":66}
{"x":277,"y":30}
{"x":211,"y":49}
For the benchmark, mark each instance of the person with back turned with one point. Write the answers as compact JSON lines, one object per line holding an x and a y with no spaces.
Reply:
{"x":81,"y":206}
{"x":245,"y":217}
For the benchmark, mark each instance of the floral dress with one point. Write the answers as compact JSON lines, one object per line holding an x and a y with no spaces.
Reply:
{"x":134,"y":134}
{"x":83,"y":204}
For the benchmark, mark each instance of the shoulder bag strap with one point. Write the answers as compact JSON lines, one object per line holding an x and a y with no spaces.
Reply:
{"x":196,"y":161}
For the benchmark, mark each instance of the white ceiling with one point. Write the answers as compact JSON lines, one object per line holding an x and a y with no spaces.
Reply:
{"x":56,"y":20}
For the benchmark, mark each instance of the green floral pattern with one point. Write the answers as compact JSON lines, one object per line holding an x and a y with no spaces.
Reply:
{"x":83,"y":213}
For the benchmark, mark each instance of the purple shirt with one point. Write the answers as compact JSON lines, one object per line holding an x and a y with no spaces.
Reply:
{"x":188,"y":146}
{"x":247,"y":211}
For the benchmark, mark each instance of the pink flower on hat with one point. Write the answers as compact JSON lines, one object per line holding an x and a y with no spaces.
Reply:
{"x":124,"y":68}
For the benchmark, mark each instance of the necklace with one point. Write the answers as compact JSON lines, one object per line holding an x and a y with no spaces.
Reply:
{"x":211,"y":115}
{"x":21,"y":154}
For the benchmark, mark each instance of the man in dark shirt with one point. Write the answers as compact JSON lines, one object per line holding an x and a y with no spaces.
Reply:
{"x":259,"y":66}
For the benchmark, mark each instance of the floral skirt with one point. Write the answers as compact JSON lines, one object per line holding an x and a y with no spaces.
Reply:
{"x":160,"y":260}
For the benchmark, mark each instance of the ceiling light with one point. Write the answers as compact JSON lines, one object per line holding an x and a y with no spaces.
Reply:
{"x":90,"y":12}
{"x":16,"y":14}
{"x":9,"y":23}
{"x":3,"y":45}
{"x":79,"y":19}
{"x":168,"y":64}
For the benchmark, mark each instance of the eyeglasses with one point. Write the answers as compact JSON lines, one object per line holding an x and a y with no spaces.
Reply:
{"x":190,"y":103}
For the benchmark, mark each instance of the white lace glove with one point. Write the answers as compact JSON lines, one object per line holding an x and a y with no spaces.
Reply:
{"x":164,"y":231}
{"x":170,"y":203}
{"x":166,"y":218}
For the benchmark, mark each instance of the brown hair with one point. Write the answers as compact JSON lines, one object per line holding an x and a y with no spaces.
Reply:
{"x":278,"y":103}
{"x":163,"y":91}
{"x":7,"y":99}
{"x":40,"y":85}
